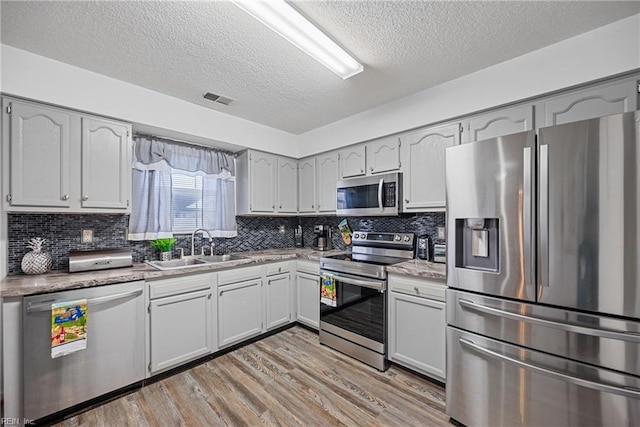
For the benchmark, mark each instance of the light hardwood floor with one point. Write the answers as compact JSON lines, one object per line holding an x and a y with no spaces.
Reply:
{"x":286,"y":379}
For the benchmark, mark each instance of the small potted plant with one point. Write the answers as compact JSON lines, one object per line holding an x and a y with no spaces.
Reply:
{"x":164,"y":245}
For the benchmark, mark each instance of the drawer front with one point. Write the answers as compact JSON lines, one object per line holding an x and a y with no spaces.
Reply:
{"x":491,"y":383}
{"x":239,"y":275}
{"x":309,"y":267}
{"x":277,"y":268}
{"x":417,"y":287}
{"x":179,"y":285}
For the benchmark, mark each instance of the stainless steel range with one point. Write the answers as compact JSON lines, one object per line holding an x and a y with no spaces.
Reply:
{"x":353,"y":305}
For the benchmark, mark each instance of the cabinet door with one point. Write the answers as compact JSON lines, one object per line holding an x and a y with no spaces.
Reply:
{"x":417,"y":334}
{"x":423,"y":158}
{"x":499,"y":123}
{"x":383,"y":155}
{"x":327,"y":178}
{"x":106,"y":164}
{"x":353,"y":161}
{"x":287,"y":185}
{"x":39,"y":147}
{"x":307,"y":185}
{"x":309,"y":300}
{"x":180,"y":329}
{"x":262,"y":182}
{"x":591,"y":103}
{"x":239,"y":311}
{"x":278,"y":300}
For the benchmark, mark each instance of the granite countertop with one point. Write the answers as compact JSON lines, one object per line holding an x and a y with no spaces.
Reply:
{"x":23,"y":285}
{"x":420,"y":268}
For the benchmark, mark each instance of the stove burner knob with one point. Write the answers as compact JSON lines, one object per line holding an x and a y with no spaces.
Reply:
{"x":356,"y":236}
{"x":407,"y":238}
{"x":396,"y":238}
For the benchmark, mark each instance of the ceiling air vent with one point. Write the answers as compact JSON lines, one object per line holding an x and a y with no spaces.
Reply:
{"x":218,"y":98}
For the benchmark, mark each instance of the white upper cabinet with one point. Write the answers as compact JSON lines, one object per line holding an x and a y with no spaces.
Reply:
{"x":40,"y":157}
{"x":307,"y":185}
{"x":262,"y":181}
{"x":266,"y":184}
{"x":498,"y":123}
{"x":287,"y":185}
{"x":604,"y":100}
{"x":353,"y":161}
{"x":327,"y":166}
{"x":56,"y":160}
{"x":383,"y":155}
{"x":106,"y":164}
{"x":423,"y":154}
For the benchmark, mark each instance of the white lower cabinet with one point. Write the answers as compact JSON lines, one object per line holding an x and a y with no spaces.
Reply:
{"x":417,"y":325}
{"x":308,"y":298}
{"x":239,"y":311}
{"x":278,"y":295}
{"x":180,"y":316}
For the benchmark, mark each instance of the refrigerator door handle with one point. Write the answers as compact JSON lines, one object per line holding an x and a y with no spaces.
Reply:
{"x":544,"y":215}
{"x":628,"y":392}
{"x":526,"y":215}
{"x":602,"y":333}
{"x":46,"y":306}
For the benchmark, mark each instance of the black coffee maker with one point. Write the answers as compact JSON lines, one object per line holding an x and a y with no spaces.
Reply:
{"x":422,"y":247}
{"x":322,"y":239}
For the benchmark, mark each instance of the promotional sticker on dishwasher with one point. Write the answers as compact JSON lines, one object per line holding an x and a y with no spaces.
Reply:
{"x":68,"y":327}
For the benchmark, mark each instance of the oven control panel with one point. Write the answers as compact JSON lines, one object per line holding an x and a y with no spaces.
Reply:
{"x":364,"y":237}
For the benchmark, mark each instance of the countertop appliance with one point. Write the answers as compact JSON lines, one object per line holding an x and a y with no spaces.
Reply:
{"x":114,"y":356}
{"x":440,"y":253}
{"x":99,"y":259}
{"x":298,"y":237}
{"x":322,"y":239}
{"x":543,"y":305}
{"x":379,"y":195}
{"x":357,"y":324}
{"x":422,"y":247}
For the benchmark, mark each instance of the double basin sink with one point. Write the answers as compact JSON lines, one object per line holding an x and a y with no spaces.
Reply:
{"x":190,"y":261}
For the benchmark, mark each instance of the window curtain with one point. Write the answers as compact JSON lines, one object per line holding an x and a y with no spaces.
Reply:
{"x":154,"y":162}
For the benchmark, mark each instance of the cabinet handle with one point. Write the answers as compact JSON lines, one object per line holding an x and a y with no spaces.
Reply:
{"x":371,"y":168}
{"x":273,"y":206}
{"x":221,"y":293}
{"x":313,"y":207}
{"x":406,"y":200}
{"x":415,"y":288}
{"x":279,"y":269}
{"x":280,"y":206}
{"x":209,"y":296}
{"x":361,"y":170}
{"x":85,"y":198}
{"x":65,"y":197}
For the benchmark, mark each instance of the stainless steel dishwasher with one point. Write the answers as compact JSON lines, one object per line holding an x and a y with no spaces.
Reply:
{"x":113,"y":358}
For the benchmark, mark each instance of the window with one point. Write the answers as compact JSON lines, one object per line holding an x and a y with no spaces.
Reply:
{"x":186,"y":203}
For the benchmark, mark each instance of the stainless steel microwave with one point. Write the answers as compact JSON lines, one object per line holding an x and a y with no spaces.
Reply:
{"x":378,"y":195}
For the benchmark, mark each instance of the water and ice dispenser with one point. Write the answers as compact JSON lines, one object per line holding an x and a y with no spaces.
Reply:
{"x":477,"y":244}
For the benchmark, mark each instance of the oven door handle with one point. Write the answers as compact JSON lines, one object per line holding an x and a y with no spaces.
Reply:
{"x":380,"y":286}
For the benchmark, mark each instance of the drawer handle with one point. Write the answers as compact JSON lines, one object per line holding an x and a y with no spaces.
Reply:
{"x":415,"y":288}
{"x":85,"y":198}
{"x":65,"y":197}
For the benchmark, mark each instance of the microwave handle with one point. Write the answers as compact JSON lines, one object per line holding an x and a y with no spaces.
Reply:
{"x":380,"y":187}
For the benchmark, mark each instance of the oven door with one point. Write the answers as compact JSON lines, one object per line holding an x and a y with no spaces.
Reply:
{"x":359,"y":314}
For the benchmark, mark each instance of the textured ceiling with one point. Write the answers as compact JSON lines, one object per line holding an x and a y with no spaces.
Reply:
{"x":185,"y":49}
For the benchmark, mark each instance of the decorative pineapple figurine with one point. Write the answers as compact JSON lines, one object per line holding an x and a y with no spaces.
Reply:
{"x":37,"y":261}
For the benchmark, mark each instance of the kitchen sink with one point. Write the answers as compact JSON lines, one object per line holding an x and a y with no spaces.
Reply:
{"x":220,"y":258}
{"x":177,"y":263}
{"x":188,"y":262}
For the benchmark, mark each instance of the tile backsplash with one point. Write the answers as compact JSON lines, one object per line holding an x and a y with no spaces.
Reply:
{"x":254,"y":233}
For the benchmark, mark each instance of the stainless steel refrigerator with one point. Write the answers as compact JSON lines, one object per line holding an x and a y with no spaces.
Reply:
{"x":543,"y":269}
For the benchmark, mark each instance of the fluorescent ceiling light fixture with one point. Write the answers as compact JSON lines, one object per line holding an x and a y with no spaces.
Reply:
{"x":290,"y":24}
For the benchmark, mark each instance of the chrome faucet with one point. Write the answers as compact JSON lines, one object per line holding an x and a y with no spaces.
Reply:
{"x":193,"y":238}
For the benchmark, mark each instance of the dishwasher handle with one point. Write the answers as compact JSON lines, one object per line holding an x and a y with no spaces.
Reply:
{"x":46,"y":306}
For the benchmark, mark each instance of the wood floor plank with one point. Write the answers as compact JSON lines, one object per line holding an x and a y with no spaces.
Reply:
{"x":287,"y":379}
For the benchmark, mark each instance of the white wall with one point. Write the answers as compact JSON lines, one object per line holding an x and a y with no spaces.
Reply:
{"x":33,"y":76}
{"x":603,"y":52}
